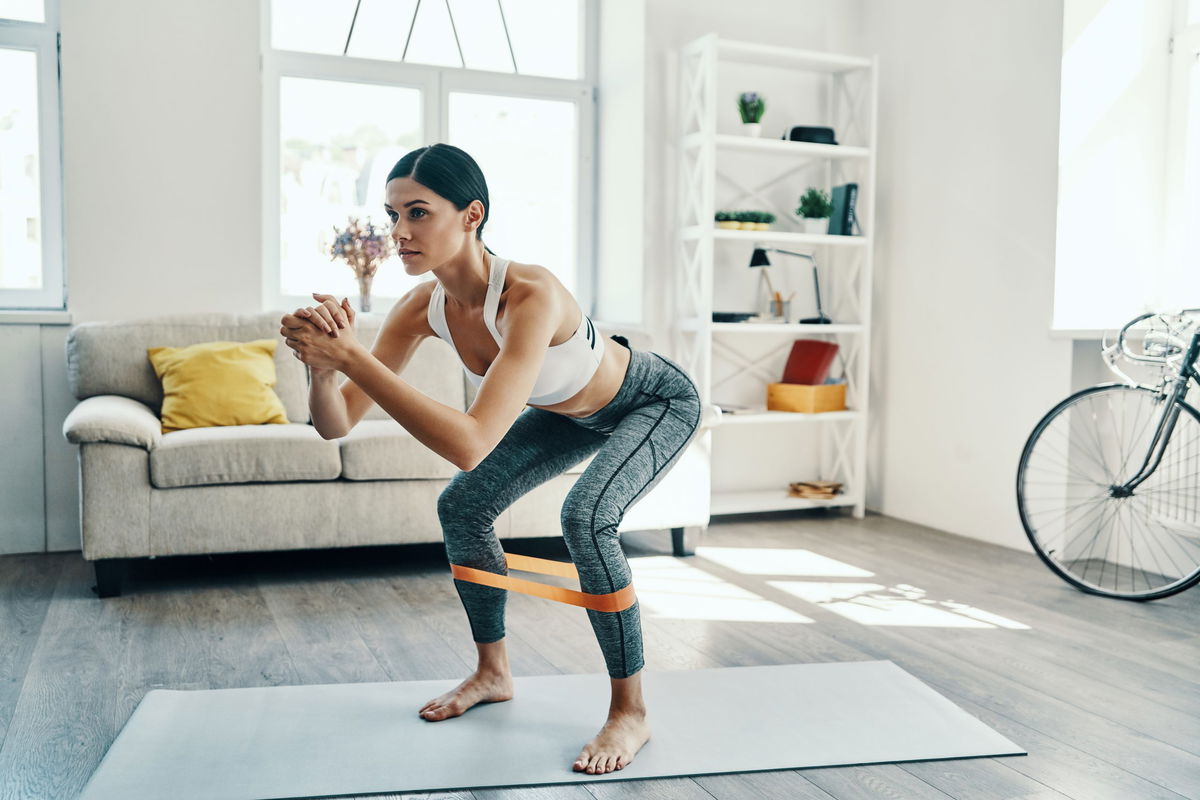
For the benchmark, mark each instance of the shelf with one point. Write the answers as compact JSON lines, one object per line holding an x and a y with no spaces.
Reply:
{"x":773,"y":56}
{"x":727,"y":141}
{"x":741,"y":502}
{"x":781,"y":237}
{"x":776,"y":417}
{"x":689,"y":324}
{"x":786,"y":328}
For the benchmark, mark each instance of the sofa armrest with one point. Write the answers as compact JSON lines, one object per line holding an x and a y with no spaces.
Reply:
{"x":115,"y":419}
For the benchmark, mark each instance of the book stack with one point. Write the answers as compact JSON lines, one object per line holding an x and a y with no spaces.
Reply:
{"x":814,"y":490}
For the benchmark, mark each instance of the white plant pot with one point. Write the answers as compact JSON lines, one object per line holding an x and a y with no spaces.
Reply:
{"x":816,"y":224}
{"x":752,"y":128}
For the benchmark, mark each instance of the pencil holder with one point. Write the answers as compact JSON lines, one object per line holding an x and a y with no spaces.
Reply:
{"x":780,"y":309}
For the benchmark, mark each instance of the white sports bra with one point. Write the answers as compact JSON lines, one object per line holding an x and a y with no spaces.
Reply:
{"x":568,"y":366}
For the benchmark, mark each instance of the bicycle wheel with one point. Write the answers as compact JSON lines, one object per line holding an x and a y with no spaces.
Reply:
{"x":1140,"y":544}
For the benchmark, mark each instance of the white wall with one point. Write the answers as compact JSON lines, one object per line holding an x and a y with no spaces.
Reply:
{"x":162,"y":157}
{"x":962,"y":363}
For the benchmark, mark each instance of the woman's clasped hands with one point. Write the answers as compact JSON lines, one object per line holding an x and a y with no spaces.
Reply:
{"x":322,"y":336}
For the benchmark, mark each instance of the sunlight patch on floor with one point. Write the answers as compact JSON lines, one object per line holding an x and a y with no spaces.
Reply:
{"x":900,"y":605}
{"x":670,"y":588}
{"x":780,"y":561}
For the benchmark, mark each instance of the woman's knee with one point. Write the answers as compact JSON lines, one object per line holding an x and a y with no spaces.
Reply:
{"x":460,"y":507}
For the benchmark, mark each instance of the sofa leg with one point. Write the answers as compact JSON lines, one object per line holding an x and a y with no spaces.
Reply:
{"x":684,"y":540}
{"x":110,"y":573}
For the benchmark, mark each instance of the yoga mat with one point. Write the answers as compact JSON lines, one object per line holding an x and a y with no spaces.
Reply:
{"x":354,"y":738}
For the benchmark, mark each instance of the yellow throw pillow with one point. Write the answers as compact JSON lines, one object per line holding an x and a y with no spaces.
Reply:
{"x":218,"y":383}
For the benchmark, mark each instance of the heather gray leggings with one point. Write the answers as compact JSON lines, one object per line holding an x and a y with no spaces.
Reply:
{"x":636,"y":438}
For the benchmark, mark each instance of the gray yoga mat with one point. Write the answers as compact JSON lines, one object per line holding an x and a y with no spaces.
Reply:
{"x":357,"y":738}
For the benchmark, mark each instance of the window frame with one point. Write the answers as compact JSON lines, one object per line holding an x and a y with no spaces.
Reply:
{"x":1184,"y":41}
{"x":43,"y":39}
{"x":435,"y":83}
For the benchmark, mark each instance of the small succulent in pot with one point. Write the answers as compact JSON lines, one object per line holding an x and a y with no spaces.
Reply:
{"x":727,"y":219}
{"x":751,"y":106}
{"x":815,"y":208}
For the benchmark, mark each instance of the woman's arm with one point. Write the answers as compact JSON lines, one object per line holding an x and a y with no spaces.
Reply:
{"x":465,"y":438}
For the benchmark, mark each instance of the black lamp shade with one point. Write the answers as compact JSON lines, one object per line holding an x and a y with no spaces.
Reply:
{"x":759,"y":258}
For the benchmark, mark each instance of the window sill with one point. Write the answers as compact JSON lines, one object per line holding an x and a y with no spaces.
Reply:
{"x":10,"y":316}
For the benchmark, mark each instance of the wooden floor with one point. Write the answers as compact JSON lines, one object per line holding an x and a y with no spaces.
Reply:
{"x":1102,"y":693}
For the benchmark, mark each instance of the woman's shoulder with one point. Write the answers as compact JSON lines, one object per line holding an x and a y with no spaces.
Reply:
{"x":530,"y":279}
{"x":409,"y":315}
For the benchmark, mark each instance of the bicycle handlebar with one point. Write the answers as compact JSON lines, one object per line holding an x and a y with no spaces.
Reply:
{"x":1167,"y":342}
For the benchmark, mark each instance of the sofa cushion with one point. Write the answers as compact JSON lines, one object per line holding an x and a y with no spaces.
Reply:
{"x":110,"y":357}
{"x":381,"y":449}
{"x":218,"y":383}
{"x":243,"y":454}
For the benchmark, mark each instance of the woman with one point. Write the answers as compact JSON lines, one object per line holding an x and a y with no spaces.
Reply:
{"x":551,"y":393}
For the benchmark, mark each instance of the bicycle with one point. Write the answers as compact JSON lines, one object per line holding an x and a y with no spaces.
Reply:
{"x":1085,"y":508}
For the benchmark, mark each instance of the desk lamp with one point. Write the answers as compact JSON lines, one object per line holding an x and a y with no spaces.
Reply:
{"x":759,"y":259}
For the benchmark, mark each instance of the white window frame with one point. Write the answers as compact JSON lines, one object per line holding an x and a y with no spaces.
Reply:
{"x":42,"y":38}
{"x":1185,"y":51}
{"x":1184,"y":47}
{"x":435,"y":83}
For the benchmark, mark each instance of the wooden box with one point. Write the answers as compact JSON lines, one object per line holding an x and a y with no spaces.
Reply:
{"x":807,"y":398}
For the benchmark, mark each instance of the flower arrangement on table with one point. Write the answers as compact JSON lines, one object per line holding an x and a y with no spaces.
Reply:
{"x":363,"y":248}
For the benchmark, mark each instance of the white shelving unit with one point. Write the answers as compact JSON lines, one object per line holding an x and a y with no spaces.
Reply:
{"x":845,"y":263}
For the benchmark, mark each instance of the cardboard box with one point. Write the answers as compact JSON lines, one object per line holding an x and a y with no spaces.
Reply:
{"x":806,"y":398}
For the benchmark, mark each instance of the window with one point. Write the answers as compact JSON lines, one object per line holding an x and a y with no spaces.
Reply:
{"x":350,"y":86}
{"x":1129,"y":162}
{"x":31,"y":267}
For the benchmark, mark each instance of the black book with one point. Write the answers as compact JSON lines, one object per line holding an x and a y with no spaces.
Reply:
{"x":842,"y":218}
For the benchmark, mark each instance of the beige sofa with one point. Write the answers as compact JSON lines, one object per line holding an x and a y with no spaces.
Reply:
{"x":282,"y":487}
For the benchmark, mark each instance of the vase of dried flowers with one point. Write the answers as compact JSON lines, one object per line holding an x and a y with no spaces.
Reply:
{"x":363,"y":248}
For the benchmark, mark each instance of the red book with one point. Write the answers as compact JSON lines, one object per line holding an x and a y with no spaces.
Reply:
{"x":809,"y":361}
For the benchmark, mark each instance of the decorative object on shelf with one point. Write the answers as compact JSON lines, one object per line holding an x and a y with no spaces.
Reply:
{"x":759,"y":259}
{"x":815,"y":490}
{"x":363,"y":249}
{"x":745,"y":220}
{"x":809,"y":360}
{"x":803,"y":133}
{"x":842,"y":219}
{"x":806,"y":398}
{"x":815,"y":207}
{"x":751,"y":106}
{"x":726,"y":219}
{"x":735,"y":408}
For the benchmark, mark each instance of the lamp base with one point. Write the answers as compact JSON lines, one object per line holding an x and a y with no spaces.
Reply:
{"x":821,"y":320}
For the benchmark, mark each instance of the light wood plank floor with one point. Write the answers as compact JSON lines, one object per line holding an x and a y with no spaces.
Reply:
{"x":1102,"y":693}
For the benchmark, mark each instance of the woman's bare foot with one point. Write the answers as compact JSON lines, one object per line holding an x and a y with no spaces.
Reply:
{"x":490,"y":683}
{"x":623,"y":734}
{"x":479,"y":687}
{"x":616,"y":744}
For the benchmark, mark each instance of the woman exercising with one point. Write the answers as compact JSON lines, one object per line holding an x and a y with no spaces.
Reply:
{"x":551,"y":393}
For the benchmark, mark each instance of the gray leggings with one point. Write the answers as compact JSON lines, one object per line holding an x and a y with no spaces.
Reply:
{"x":637,"y":437}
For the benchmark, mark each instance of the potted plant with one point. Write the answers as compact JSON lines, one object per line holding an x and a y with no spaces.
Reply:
{"x":727,"y":219}
{"x":815,"y":208}
{"x":750,"y":106}
{"x":764,"y":221}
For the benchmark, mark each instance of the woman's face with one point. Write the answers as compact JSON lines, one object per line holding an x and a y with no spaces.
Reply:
{"x":427,"y":223}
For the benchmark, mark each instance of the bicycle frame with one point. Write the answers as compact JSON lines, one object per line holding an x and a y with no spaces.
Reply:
{"x":1166,"y":423}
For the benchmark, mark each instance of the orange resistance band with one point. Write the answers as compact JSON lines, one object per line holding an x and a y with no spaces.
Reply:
{"x":614,"y":601}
